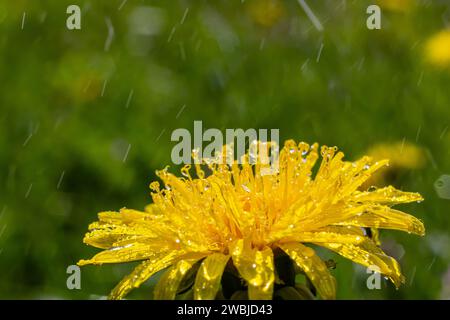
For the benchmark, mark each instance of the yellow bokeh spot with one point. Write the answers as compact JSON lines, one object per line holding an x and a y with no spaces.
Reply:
{"x":266,"y":12}
{"x":437,"y":49}
{"x":396,"y":5}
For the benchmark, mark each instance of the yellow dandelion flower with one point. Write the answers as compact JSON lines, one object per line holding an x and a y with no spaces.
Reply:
{"x":234,"y":216}
{"x":437,"y":49}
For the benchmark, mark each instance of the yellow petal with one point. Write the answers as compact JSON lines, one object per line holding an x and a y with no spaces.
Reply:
{"x":124,"y":216}
{"x":130,"y":252}
{"x":256,"y":267}
{"x":314,"y":268}
{"x":383,"y":217}
{"x":335,"y":234}
{"x":375,"y":236}
{"x":105,"y":235}
{"x":141,"y":273}
{"x":119,"y":228}
{"x":208,"y":278}
{"x":167,"y":287}
{"x":362,"y":172}
{"x":325,"y":236}
{"x":388,"y":195}
{"x":368,"y":254}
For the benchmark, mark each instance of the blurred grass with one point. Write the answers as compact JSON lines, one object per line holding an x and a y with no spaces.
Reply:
{"x":229,"y":71}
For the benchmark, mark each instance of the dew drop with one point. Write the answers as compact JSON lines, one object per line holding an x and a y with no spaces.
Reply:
{"x":308,"y":252}
{"x":121,"y":247}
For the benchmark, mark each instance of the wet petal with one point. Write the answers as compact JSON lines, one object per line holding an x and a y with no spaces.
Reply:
{"x":335,"y":234}
{"x":256,"y":267}
{"x":107,"y":235}
{"x":141,"y":273}
{"x":209,"y":275}
{"x":130,"y":252}
{"x":384,"y":217}
{"x":364,"y":169}
{"x":368,"y":254}
{"x":314,"y":268}
{"x":388,"y":195}
{"x":124,"y":216}
{"x":167,"y":287}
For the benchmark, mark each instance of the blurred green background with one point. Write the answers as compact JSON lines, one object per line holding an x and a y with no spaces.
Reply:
{"x":86,"y":120}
